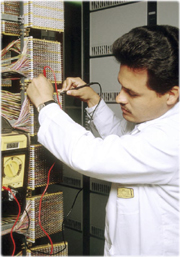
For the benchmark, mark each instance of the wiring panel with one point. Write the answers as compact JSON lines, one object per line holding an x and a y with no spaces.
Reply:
{"x":23,"y":58}
{"x":42,"y":53}
{"x":48,"y":15}
{"x":10,"y":7}
{"x":24,"y":117}
{"x":40,"y":161}
{"x":36,"y":54}
{"x":51,"y":215}
{"x":10,"y":28}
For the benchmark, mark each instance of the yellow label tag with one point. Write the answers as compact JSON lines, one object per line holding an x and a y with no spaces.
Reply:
{"x":125,"y":193}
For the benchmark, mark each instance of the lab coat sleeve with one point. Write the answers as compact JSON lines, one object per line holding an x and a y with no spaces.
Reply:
{"x":141,"y":158}
{"x":105,"y":120}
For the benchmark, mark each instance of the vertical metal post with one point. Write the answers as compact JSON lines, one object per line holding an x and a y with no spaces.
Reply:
{"x":22,"y":45}
{"x":85,"y":76}
{"x":152,"y":13}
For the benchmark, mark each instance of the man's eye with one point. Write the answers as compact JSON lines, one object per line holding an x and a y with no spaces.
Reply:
{"x":132,"y":94}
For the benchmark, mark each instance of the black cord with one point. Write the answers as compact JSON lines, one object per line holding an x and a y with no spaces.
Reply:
{"x":100,"y":94}
{"x":77,"y":88}
{"x":63,"y":223}
{"x":88,"y":85}
{"x":73,"y":204}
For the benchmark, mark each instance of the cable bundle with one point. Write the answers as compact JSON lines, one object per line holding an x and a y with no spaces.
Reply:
{"x":28,"y":117}
{"x":23,"y":122}
{"x":20,"y":117}
{"x":14,"y":46}
{"x":10,"y":105}
{"x":23,"y":117}
{"x":40,"y":161}
{"x":51,"y":215}
{"x":22,"y":226}
{"x":9,"y":65}
{"x":47,"y":15}
{"x":6,"y":55}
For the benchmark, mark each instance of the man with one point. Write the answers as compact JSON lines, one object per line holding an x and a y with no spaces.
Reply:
{"x":140,"y":154}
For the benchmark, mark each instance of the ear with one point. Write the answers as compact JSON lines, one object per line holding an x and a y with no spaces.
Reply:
{"x":173,"y":95}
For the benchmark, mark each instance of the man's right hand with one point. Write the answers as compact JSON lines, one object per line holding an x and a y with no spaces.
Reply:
{"x":86,"y":94}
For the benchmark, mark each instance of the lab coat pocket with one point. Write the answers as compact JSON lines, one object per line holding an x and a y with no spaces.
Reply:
{"x":126,"y":234}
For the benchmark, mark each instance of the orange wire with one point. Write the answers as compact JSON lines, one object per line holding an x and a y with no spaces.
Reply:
{"x":8,"y":189}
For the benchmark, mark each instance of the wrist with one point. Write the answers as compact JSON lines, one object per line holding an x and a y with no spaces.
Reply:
{"x":41,"y":100}
{"x":42,"y":105}
{"x":93,"y":101}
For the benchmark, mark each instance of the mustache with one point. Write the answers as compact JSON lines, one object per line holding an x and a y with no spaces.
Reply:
{"x":123,"y":107}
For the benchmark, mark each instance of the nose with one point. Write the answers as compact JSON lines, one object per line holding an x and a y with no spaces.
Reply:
{"x":121,"y":97}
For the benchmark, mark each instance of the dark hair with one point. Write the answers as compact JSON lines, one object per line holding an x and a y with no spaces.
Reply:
{"x":154,"y":48}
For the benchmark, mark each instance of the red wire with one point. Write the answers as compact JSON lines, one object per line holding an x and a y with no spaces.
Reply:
{"x":44,"y":72}
{"x":8,"y":189}
{"x":40,"y":203}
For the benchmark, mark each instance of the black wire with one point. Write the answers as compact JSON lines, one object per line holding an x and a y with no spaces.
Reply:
{"x":100,"y":94}
{"x":63,"y":223}
{"x":88,"y":85}
{"x":73,"y":203}
{"x":75,"y":88}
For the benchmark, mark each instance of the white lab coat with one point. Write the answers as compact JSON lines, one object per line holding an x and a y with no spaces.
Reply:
{"x":145,"y":159}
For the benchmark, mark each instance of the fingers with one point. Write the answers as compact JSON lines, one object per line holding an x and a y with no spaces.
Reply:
{"x":40,"y":90}
{"x":72,"y":83}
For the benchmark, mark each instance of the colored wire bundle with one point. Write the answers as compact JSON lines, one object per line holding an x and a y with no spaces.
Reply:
{"x":22,"y":226}
{"x":23,"y":121}
{"x":9,"y":65}
{"x":10,"y":105}
{"x":13,"y":46}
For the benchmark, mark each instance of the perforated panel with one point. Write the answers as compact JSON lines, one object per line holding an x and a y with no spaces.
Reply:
{"x":51,"y":215}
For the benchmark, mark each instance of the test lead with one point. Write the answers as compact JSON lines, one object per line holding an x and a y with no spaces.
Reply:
{"x":75,"y":88}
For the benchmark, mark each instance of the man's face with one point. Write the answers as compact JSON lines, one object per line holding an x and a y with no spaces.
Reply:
{"x":138,"y":102}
